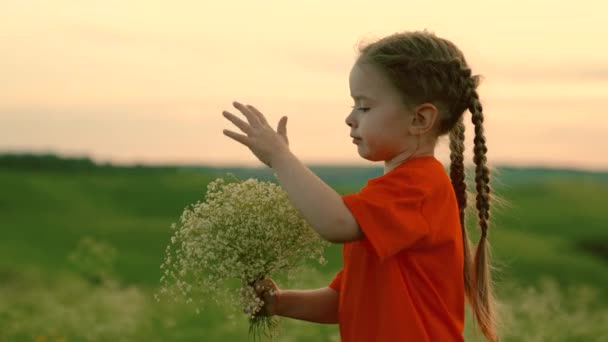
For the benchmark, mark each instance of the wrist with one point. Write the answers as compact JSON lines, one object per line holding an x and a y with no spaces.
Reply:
{"x":279,"y":158}
{"x":278,"y":309}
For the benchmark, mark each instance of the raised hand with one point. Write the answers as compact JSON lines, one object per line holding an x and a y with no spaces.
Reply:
{"x":262,"y":140}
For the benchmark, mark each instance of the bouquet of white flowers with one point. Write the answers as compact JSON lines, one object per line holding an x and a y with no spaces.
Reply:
{"x":246,"y":231}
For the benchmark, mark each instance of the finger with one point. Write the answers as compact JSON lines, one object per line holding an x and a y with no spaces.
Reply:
{"x":252,"y":118}
{"x":282,"y":127}
{"x":258,"y":114}
{"x":245,"y":127}
{"x":243,"y":139}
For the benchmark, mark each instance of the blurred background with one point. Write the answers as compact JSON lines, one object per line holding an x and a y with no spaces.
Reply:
{"x":110,"y":124}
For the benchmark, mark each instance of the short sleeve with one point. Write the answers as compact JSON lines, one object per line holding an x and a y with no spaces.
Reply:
{"x":390,"y":215}
{"x":336,"y":283}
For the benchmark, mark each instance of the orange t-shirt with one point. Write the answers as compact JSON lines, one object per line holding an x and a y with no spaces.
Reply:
{"x":404,"y":280}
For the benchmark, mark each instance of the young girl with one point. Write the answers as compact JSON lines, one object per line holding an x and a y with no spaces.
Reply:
{"x":407,"y":260}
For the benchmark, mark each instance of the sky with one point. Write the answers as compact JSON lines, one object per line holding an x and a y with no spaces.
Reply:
{"x":146,"y":81}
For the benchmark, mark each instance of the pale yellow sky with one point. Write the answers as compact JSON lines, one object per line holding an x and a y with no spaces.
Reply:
{"x":146,"y":81}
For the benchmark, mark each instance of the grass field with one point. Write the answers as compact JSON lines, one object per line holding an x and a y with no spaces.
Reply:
{"x":549,"y":239}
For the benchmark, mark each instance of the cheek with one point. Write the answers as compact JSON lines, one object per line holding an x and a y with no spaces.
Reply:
{"x":385,"y":143}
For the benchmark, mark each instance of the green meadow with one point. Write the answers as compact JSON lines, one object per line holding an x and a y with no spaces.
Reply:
{"x":81,"y":245}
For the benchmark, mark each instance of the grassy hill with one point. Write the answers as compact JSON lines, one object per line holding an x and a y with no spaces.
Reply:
{"x":549,"y":238}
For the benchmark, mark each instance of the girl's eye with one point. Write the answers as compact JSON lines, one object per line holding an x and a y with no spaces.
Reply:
{"x":363,"y":109}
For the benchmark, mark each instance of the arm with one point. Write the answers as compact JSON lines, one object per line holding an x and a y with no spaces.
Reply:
{"x":320,"y":205}
{"x":319,"y":306}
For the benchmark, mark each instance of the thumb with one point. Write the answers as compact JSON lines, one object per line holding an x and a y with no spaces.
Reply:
{"x":282,"y":127}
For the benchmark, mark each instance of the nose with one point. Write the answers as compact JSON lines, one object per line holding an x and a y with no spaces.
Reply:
{"x":350,"y":121}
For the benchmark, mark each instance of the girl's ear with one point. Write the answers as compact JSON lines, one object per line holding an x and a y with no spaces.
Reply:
{"x":423,"y":119}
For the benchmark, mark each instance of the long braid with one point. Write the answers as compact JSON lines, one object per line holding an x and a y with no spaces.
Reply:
{"x":426,"y":68}
{"x":484,"y":298}
{"x":457,"y":175}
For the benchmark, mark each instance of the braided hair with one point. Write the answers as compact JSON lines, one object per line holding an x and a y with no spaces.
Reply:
{"x":428,"y":69}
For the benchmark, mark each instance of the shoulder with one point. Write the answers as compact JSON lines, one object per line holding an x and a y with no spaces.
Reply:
{"x":420,"y":176}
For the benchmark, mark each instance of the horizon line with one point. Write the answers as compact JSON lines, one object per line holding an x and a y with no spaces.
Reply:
{"x":248,"y":165}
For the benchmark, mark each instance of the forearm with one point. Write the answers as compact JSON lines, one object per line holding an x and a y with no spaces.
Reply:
{"x":319,"y":306}
{"x":320,"y":205}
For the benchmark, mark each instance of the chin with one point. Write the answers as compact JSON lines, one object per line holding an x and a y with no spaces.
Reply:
{"x":373,"y":157}
{"x":369,"y":157}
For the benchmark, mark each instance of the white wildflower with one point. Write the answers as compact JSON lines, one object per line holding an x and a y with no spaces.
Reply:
{"x":243,"y":231}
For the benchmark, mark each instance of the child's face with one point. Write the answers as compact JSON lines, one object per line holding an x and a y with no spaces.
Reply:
{"x":379,"y":116}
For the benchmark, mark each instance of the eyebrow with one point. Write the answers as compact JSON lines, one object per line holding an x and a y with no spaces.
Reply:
{"x":359,"y":97}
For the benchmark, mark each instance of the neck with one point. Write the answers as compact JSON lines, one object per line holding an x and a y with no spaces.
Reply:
{"x":425,"y":150}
